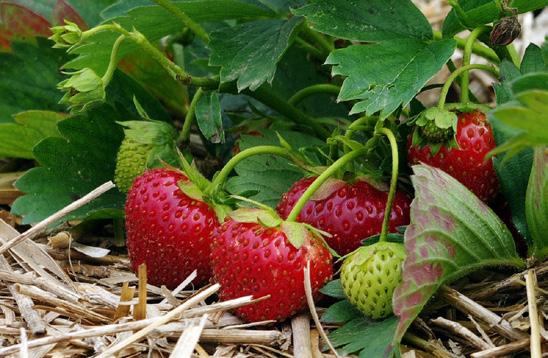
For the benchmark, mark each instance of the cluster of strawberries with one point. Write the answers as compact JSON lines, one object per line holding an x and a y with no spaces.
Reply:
{"x":175,"y":234}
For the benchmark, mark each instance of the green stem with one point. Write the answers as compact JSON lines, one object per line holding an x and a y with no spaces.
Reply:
{"x":113,"y":63}
{"x":477,"y":48}
{"x":455,"y":74}
{"x":310,"y":90}
{"x":221,"y":177}
{"x":139,"y":39}
{"x":330,"y":171}
{"x":325,"y":46}
{"x":513,"y":54}
{"x":184,"y":18}
{"x":467,"y":55}
{"x":393,"y":182}
{"x":271,"y":99}
{"x":309,"y":48}
{"x":187,"y":124}
{"x":461,"y":14}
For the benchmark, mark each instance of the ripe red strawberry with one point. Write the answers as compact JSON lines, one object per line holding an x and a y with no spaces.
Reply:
{"x":350,"y":212}
{"x":466,"y":161}
{"x":167,"y":229}
{"x":249,"y":258}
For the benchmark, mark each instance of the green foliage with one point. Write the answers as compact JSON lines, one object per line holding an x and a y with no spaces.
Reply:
{"x":17,"y":139}
{"x":451,"y":233}
{"x":72,"y":166}
{"x":536,"y":205}
{"x":340,"y":312}
{"x":264,"y":178}
{"x":369,"y":338}
{"x":481,"y":12}
{"x":249,"y":52}
{"x":155,"y":22}
{"x":333,"y":289}
{"x":30,"y":74}
{"x":209,"y":117}
{"x":385,"y":85}
{"x":377,"y":20}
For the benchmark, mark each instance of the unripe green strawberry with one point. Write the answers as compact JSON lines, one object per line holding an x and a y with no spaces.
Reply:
{"x":146,"y":145}
{"x":370,"y":275}
{"x":130,"y":163}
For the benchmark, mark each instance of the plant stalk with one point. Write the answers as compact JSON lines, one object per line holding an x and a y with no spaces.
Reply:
{"x":330,"y":171}
{"x":311,"y":90}
{"x":185,"y":131}
{"x":393,"y":182}
{"x":113,"y":63}
{"x":222,"y":176}
{"x":465,"y":78}
{"x":457,"y":72}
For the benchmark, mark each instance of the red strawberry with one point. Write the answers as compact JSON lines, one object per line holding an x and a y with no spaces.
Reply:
{"x":350,"y":212}
{"x":466,"y":161}
{"x":253,"y":259}
{"x":167,"y":229}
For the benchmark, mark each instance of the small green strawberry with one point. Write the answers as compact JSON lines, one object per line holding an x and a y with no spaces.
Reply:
{"x":145,"y":145}
{"x":370,"y":275}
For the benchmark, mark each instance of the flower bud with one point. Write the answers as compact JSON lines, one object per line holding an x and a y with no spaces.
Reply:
{"x":505,"y":31}
{"x":66,"y":35}
{"x":82,"y":88}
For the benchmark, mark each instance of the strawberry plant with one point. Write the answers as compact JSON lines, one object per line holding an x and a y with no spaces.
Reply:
{"x":249,"y":140}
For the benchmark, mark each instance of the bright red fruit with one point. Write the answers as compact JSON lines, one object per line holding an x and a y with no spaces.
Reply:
{"x":168,"y":230}
{"x":467,"y":163}
{"x":251,"y":259}
{"x":351,"y":213}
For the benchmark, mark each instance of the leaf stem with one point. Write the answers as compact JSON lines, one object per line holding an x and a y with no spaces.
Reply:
{"x":221,"y":177}
{"x":513,"y":54}
{"x":309,"y":48}
{"x":477,"y":48}
{"x":271,"y":99}
{"x":330,"y":171}
{"x":467,"y":55}
{"x":187,"y":124}
{"x":325,"y":46}
{"x":310,"y":90}
{"x":455,"y":74}
{"x":393,"y":182}
{"x":113,"y":63}
{"x":185,"y":19}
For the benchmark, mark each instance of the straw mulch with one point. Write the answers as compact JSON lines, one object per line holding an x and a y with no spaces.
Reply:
{"x":60,"y":298}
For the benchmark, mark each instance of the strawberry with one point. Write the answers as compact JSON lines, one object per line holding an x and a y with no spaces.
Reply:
{"x":460,"y":152}
{"x":144,"y":145}
{"x":256,"y":257}
{"x":349,"y":212}
{"x":370,"y":275}
{"x":167,"y":229}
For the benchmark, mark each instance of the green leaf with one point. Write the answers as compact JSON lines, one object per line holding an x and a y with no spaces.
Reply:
{"x":17,"y":139}
{"x":340,"y":312}
{"x":30,"y":74}
{"x":295,"y":232}
{"x":370,"y":338}
{"x":481,"y":12}
{"x":264,"y":178}
{"x":333,"y":289}
{"x":209,"y":117}
{"x":536,"y":205}
{"x":386,"y":75}
{"x":451,"y":233}
{"x":249,"y":52}
{"x":533,"y":60}
{"x":155,"y":22}
{"x":528,"y":117}
{"x":72,"y":166}
{"x":374,"y":20}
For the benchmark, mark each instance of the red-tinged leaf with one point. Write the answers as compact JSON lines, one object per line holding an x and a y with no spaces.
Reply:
{"x":451,"y":233}
{"x":19,"y":22}
{"x":63,"y":11}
